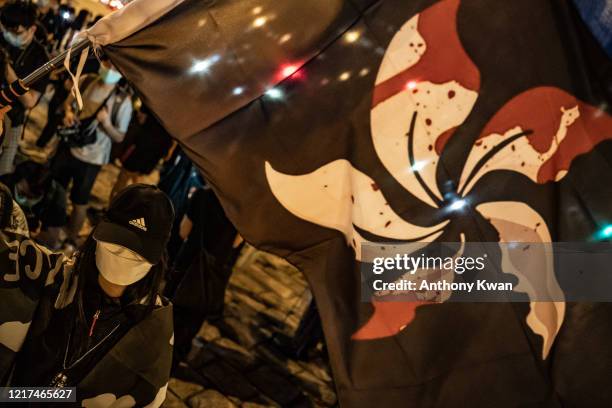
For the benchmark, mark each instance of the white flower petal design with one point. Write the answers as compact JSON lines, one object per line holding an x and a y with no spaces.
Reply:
{"x":12,"y":334}
{"x":518,"y":155}
{"x":405,"y":50}
{"x":338,"y":196}
{"x":531,"y":264}
{"x":409,"y":86}
{"x":436,"y":114}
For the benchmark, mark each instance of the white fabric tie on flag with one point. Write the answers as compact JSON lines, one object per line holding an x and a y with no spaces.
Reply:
{"x":77,"y":75}
{"x":115,"y":27}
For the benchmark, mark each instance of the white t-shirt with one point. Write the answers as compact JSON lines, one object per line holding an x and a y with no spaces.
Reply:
{"x":98,"y":153}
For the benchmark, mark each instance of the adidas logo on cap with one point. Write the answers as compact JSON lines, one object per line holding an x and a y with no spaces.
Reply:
{"x":139,"y":223}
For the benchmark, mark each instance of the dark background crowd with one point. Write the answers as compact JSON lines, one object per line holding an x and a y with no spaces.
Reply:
{"x":52,"y":176}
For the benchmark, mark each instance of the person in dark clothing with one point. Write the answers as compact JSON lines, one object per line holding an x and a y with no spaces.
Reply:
{"x":50,"y":19}
{"x":102,"y":303}
{"x":202,"y":268}
{"x":41,"y":198}
{"x":25,"y":54}
{"x":179,"y":178}
{"x":148,"y":142}
{"x":62,"y":83}
{"x":76,"y":26}
{"x":55,"y":113}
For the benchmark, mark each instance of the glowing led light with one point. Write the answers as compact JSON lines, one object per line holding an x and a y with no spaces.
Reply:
{"x":364,"y":72}
{"x":457,"y":205}
{"x":205,"y":64}
{"x":352,"y":36}
{"x":260,"y":21}
{"x":238,"y":90}
{"x":419,"y":165}
{"x":411,"y":85}
{"x":289,"y":70}
{"x":257,"y":10}
{"x":344,"y":76}
{"x":274,"y":93}
{"x":607,"y":231}
{"x":285,"y":38}
{"x":66,"y":15}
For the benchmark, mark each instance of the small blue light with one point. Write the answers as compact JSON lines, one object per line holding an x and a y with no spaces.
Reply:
{"x":238,"y":90}
{"x":607,"y":231}
{"x":457,"y":205}
{"x":274,"y":93}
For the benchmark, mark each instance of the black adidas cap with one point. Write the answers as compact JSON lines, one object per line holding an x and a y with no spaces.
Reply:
{"x":140,"y":219}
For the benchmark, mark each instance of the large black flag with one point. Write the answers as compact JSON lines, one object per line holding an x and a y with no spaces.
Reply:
{"x":325,"y":124}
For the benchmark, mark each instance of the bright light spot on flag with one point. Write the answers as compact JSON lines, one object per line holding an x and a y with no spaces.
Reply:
{"x":285,"y":38}
{"x":411,"y":85}
{"x":204,"y":65}
{"x":288,"y":70}
{"x":419,"y":165}
{"x":457,"y":205}
{"x":352,"y":36}
{"x":238,"y":90}
{"x":274,"y":93}
{"x":364,"y":72}
{"x":260,"y":21}
{"x":344,"y":76}
{"x":257,"y":10}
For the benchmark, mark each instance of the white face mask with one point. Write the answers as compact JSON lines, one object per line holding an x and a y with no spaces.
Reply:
{"x":119,"y":265}
{"x":109,"y":76}
{"x":16,"y":40}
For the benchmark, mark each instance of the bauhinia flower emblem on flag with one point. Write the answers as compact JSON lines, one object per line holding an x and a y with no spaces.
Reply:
{"x":418,"y":102}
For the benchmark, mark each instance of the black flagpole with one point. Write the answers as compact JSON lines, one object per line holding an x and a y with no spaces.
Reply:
{"x":54,"y":63}
{"x":21,"y":86}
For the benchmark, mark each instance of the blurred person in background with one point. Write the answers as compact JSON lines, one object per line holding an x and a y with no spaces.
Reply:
{"x":50,"y":18}
{"x":202,"y":268}
{"x":62,"y":84}
{"x":78,"y":24}
{"x":84,"y":311}
{"x":148,"y":143}
{"x":25,"y":54}
{"x":104,"y":120}
{"x":42,"y":200}
{"x":178,"y":178}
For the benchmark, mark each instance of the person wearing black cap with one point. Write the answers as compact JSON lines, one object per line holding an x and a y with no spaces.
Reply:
{"x":95,"y":321}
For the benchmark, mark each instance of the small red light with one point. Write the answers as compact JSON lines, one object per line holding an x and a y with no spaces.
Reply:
{"x":289,"y":70}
